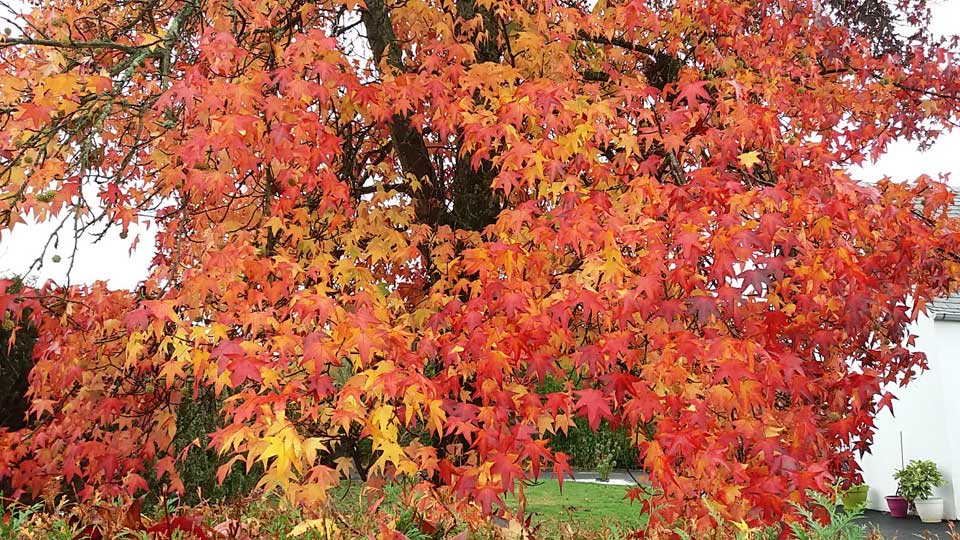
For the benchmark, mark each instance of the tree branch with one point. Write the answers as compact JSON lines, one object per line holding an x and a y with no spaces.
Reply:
{"x":616,"y":42}
{"x":12,"y":42}
{"x":407,"y":141}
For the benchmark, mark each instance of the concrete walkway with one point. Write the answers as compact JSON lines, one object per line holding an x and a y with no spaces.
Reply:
{"x":617,"y":478}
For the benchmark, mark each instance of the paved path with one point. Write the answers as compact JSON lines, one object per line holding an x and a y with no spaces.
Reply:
{"x":908,"y":528}
{"x":617,"y":477}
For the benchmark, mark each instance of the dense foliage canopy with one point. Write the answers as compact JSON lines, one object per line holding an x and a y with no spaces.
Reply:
{"x":390,"y":222}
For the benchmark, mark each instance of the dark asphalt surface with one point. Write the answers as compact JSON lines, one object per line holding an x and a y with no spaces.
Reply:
{"x":908,"y":528}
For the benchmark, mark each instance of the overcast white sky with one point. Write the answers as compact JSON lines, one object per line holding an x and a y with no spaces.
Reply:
{"x":111,"y":260}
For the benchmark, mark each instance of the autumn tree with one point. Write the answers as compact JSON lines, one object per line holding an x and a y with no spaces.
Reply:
{"x":385,"y":224}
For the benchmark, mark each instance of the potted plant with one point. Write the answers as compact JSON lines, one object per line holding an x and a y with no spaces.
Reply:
{"x":898,"y":505}
{"x":915,"y":483}
{"x":855,"y":494}
{"x":605,"y":461}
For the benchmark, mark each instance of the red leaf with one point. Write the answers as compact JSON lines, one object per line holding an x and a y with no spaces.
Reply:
{"x":190,"y":525}
{"x":594,"y":404}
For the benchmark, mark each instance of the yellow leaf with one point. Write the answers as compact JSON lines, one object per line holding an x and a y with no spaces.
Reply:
{"x":437,"y":415}
{"x":219,"y":331}
{"x":60,"y":85}
{"x":271,"y":378}
{"x":311,"y":447}
{"x":152,"y":40}
{"x":327,"y":527}
{"x":167,"y":423}
{"x":749,"y":159}
{"x":545,"y":424}
{"x":772,"y":431}
{"x":274,"y":224}
{"x":344,"y":466}
{"x":171,"y":371}
{"x":135,"y":346}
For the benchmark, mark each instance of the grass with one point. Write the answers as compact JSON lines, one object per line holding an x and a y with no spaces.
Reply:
{"x":584,"y":504}
{"x":583,"y":511}
{"x":581,"y":505}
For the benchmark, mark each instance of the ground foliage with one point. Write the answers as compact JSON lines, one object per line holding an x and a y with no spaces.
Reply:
{"x":381,"y":225}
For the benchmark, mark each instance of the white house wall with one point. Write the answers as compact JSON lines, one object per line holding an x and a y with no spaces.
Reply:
{"x":928,"y":414}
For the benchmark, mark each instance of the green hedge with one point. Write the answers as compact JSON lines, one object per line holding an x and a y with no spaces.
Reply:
{"x":15,"y":366}
{"x":582,"y":443}
{"x":196,"y":417}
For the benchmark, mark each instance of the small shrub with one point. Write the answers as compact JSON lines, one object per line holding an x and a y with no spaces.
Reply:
{"x":581,"y":445}
{"x":917,"y":480}
{"x":14,"y":517}
{"x":604,"y":459}
{"x":840,"y":523}
{"x":408,"y":525}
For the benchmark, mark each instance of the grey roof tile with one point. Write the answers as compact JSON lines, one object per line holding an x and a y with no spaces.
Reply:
{"x":946,"y":309}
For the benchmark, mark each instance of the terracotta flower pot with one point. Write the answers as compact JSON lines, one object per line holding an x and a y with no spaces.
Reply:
{"x":897,"y":505}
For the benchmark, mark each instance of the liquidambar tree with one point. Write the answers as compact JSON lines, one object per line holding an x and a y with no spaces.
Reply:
{"x":392,"y":220}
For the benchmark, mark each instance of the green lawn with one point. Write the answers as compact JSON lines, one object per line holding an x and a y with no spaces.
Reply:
{"x":583,"y":504}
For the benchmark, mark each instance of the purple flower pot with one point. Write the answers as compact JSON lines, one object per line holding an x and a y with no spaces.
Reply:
{"x":897,"y":505}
